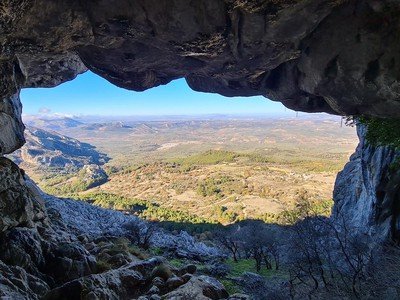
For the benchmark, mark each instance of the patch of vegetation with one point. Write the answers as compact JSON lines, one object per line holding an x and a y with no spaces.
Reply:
{"x":227,"y":216}
{"x":53,"y":178}
{"x":66,"y":184}
{"x":382,"y":132}
{"x":395,"y":165}
{"x":156,"y":213}
{"x":144,"y":209}
{"x":103,"y":266}
{"x":176,"y":262}
{"x":304,"y":207}
{"x":210,"y":157}
{"x":213,"y":186}
{"x":245,"y":265}
{"x":230,"y":286}
{"x":113,"y":201}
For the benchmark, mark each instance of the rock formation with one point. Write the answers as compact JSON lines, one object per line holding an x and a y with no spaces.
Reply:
{"x":367,"y":191}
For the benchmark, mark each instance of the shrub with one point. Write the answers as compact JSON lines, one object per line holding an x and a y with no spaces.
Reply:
{"x":140,"y":233}
{"x":102,"y":266}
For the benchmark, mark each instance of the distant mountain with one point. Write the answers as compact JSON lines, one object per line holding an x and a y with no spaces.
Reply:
{"x":45,"y":149}
{"x":51,"y":123}
{"x":111,"y":126}
{"x":143,"y":128}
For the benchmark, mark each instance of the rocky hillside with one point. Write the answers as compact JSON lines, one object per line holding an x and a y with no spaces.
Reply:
{"x":50,"y":150}
{"x":78,"y":251}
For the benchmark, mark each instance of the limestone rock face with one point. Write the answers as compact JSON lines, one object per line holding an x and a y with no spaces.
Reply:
{"x":322,"y":55}
{"x":16,"y":283}
{"x":19,"y":204}
{"x":367,"y":191}
{"x":11,"y":126}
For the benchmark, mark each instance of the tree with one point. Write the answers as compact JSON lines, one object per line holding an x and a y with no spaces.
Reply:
{"x":330,"y":257}
{"x":260,"y":243}
{"x":140,"y":232}
{"x":228,"y":238}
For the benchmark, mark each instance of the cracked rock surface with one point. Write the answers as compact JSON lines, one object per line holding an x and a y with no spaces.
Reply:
{"x":330,"y":56}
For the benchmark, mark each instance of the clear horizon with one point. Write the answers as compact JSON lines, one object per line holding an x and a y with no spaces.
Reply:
{"x":91,"y":95}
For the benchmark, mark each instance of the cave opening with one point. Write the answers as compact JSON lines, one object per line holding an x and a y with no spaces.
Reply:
{"x":174,"y":155}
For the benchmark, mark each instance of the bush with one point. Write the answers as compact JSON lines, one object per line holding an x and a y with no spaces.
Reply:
{"x":102,"y":266}
{"x":140,"y":233}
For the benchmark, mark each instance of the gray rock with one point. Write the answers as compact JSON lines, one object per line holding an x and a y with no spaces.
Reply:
{"x":253,"y":284}
{"x":217,"y":269}
{"x":19,"y":207}
{"x":239,"y":297}
{"x":11,"y":126}
{"x":115,"y":284}
{"x":185,"y":246}
{"x":174,"y":282}
{"x":186,"y":277}
{"x":163,"y":271}
{"x":365,"y":190}
{"x":158,"y":282}
{"x":57,"y":259}
{"x":93,"y":175}
{"x":16,"y":283}
{"x":153,"y":290}
{"x":125,"y":282}
{"x":190,"y":269}
{"x":201,"y":287}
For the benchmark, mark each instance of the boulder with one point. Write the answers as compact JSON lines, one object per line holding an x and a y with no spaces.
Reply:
{"x":201,"y":287}
{"x":126,"y":282}
{"x":190,"y":269}
{"x":239,"y":297}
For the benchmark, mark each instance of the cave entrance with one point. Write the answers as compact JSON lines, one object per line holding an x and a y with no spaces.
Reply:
{"x":171,"y":154}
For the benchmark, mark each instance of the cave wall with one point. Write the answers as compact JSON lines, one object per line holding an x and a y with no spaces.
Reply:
{"x":21,"y":204}
{"x":335,"y":56}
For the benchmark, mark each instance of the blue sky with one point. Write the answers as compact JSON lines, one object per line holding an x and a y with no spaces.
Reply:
{"x":90,"y":94}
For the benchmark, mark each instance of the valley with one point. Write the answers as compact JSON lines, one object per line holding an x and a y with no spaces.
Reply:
{"x":210,"y":169}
